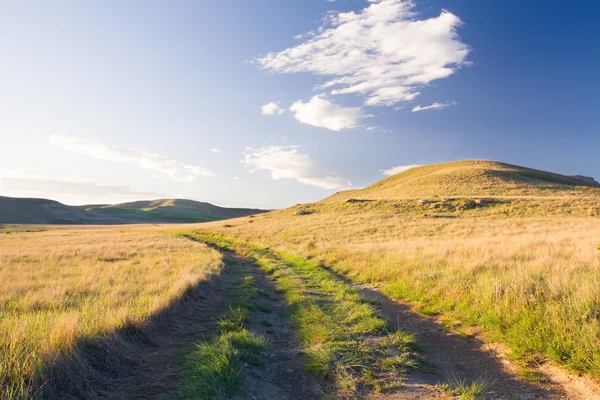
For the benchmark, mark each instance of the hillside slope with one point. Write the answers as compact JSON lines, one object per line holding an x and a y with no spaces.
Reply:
{"x":170,"y":210}
{"x":43,"y":211}
{"x":471,"y":179}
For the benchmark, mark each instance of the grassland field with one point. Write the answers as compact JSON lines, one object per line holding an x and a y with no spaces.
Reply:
{"x":530,"y":277}
{"x":522,"y":269}
{"x":63,"y":286}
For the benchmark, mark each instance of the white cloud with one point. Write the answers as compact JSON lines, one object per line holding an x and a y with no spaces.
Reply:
{"x":397,"y":169}
{"x":288,"y":162}
{"x":319,"y":111}
{"x":272,"y":109}
{"x":382,"y":52}
{"x":175,"y":170}
{"x":215,"y":150}
{"x":434,"y":106}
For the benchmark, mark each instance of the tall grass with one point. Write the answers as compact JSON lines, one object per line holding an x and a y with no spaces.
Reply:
{"x":533,"y":283}
{"x":62,"y":286}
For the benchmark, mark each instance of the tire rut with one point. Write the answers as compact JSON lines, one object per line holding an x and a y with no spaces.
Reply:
{"x":282,"y":376}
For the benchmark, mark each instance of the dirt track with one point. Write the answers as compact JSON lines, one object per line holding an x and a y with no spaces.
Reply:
{"x":148,"y":362}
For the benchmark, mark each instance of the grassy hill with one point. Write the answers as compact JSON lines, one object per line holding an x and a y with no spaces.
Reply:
{"x":170,"y":210}
{"x":471,"y":179}
{"x":42,"y":211}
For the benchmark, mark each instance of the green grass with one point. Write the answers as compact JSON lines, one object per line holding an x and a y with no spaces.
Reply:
{"x":214,"y":369}
{"x":155,"y":215}
{"x":343,"y":337}
{"x":462,"y":389}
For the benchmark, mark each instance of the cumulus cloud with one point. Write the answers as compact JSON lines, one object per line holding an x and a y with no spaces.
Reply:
{"x":434,"y":106}
{"x":397,"y":169}
{"x":289,"y":162}
{"x":319,"y":111}
{"x":383,"y":52}
{"x":175,"y":170}
{"x":215,"y":150}
{"x":272,"y":109}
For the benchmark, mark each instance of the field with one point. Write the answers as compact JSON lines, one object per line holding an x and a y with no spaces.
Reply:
{"x":61,"y":288}
{"x":520,"y":268}
{"x":376,"y":294}
{"x":530,"y":282}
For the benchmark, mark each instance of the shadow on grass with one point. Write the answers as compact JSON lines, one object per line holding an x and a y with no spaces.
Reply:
{"x":140,"y":361}
{"x":465,"y":358}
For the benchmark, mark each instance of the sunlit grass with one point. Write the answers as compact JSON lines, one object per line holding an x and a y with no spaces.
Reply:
{"x":530,"y":282}
{"x":343,"y":337}
{"x":60,"y":286}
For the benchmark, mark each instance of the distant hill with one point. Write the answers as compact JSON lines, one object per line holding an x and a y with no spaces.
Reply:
{"x":587,"y":179}
{"x":472,"y":178}
{"x":43,"y":211}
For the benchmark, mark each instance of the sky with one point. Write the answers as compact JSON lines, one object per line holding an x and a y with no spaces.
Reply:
{"x":270,"y":103}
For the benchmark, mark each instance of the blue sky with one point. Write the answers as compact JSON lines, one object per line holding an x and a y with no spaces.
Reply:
{"x":112,"y":101}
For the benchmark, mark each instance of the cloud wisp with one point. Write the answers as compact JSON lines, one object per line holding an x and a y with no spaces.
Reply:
{"x":397,"y":169}
{"x":37,"y":184}
{"x":434,"y":106}
{"x":383,"y":52}
{"x":272,"y":108}
{"x":321,"y":112}
{"x":289,"y":162}
{"x":180,"y":172}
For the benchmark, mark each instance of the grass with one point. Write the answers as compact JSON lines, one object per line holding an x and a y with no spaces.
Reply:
{"x":461,"y":389}
{"x":61,"y":288}
{"x":214,"y":370}
{"x":470,"y":178}
{"x":529,"y":278}
{"x":342,"y":335}
{"x":155,"y":214}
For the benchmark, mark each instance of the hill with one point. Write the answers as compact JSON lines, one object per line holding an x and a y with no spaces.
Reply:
{"x":497,"y":252}
{"x":43,"y":211}
{"x":472,"y":178}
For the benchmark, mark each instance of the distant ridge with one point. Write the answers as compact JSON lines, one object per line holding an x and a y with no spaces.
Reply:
{"x":43,"y":211}
{"x":472,"y":178}
{"x":587,"y":179}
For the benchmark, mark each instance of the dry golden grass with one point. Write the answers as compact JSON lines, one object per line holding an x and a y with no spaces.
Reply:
{"x":475,"y":178}
{"x":61,"y":285}
{"x":530,"y":281}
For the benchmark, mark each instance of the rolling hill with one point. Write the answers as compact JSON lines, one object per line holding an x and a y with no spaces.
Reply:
{"x":472,"y":178}
{"x":481,"y":246}
{"x":43,"y":211}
